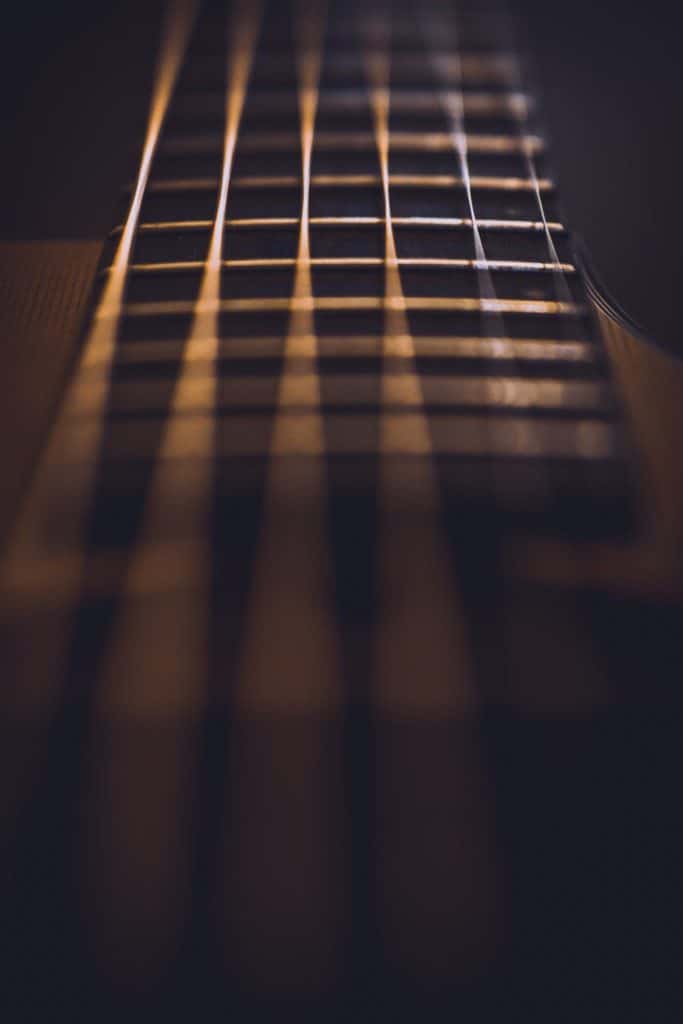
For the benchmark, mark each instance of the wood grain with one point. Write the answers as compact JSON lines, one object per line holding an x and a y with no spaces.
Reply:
{"x":44,"y":289}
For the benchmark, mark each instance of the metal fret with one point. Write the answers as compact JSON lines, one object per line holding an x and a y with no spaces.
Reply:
{"x":431,"y":181}
{"x":409,"y":101}
{"x":485,"y":85}
{"x":358,"y":347}
{"x":242,"y":435}
{"x":268,"y":223}
{"x":353,"y":390}
{"x":355,"y":303}
{"x":520,"y":266}
{"x":477,"y":68}
{"x":400,"y":141}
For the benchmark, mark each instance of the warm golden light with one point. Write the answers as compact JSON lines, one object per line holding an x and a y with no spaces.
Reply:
{"x":62,"y":486}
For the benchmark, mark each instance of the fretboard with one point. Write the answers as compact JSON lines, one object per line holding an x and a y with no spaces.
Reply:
{"x":339,"y":344}
{"x":343,"y":251}
{"x":387,"y":197}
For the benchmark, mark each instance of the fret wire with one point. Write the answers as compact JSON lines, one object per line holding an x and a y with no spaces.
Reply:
{"x":400,"y":140}
{"x":352,"y":261}
{"x":458,"y":346}
{"x":152,"y":227}
{"x":454,"y":434}
{"x":436,"y":181}
{"x":562,"y":287}
{"x":361,"y":346}
{"x":481,"y":104}
{"x":471,"y":58}
{"x":531,"y":307}
{"x":494,"y":68}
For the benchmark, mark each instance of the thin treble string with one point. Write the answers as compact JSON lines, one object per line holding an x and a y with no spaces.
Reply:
{"x":453,"y":103}
{"x":454,"y":106}
{"x":561,"y":284}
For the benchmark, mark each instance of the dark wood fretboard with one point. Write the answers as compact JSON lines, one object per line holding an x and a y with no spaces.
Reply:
{"x":415,"y":203}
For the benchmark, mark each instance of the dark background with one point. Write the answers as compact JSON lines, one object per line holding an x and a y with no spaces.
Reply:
{"x":611,"y":85}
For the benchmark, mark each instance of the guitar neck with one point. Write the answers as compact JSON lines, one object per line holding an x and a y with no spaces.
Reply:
{"x":372,"y":185}
{"x":342,"y":269}
{"x":322,"y":743}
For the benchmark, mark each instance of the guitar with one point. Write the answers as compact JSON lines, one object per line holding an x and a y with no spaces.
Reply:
{"x":341,"y":582}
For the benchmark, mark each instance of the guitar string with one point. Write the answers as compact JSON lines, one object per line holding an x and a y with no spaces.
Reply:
{"x":417,"y":586}
{"x":156,"y":660}
{"x":303,"y":643}
{"x":435,"y":30}
{"x":43,"y":570}
{"x":452,"y":100}
{"x":563,"y":303}
{"x":560,"y":281}
{"x":422,"y":668}
{"x":290,"y":665}
{"x":176,"y":518}
{"x":506,"y":339}
{"x":83,"y":404}
{"x":570,"y":326}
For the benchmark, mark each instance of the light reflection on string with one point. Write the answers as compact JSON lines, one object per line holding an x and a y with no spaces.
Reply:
{"x":290,"y":670}
{"x":54,"y":516}
{"x":177,"y":507}
{"x":418,"y":682}
{"x":436,"y":29}
{"x":416,"y":581}
{"x":453,"y":102}
{"x":155,"y":668}
{"x":530,"y":155}
{"x":43,"y":571}
{"x":302,"y":643}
